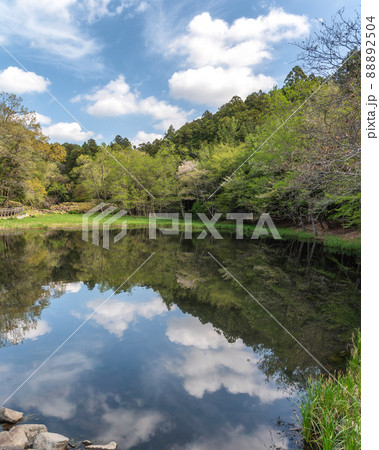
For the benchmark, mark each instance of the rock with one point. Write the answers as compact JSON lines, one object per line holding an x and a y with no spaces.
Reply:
{"x":50,"y":441}
{"x":22,"y":435}
{"x":9,"y":415}
{"x":5,"y":439}
{"x":87,"y":442}
{"x":8,"y":447}
{"x":111,"y":446}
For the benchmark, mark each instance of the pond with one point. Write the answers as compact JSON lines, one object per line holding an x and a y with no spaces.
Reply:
{"x":175,"y":355}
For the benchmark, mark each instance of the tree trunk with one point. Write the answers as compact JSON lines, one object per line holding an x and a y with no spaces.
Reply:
{"x":313,"y":225}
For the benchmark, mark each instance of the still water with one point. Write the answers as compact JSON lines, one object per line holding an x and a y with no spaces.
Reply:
{"x":179,"y":356}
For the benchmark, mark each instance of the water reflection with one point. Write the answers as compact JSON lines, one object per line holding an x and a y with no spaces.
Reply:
{"x":180,"y":357}
{"x":238,"y":438}
{"x":116,"y":315}
{"x":131,"y":427}
{"x":24,"y":330}
{"x":211,"y":362}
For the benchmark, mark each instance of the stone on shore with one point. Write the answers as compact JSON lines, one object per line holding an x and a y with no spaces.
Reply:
{"x":111,"y":446}
{"x":50,"y":441}
{"x":5,"y":439}
{"x":23,"y":435}
{"x":9,"y":415}
{"x":8,"y":447}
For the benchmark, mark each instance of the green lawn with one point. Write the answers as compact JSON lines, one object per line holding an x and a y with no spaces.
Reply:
{"x":74,"y":222}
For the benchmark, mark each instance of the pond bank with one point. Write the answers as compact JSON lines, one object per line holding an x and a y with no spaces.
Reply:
{"x":331,"y":412}
{"x":339,"y":239}
{"x":36,"y":436}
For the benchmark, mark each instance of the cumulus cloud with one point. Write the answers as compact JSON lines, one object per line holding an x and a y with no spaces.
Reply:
{"x":117,"y":99}
{"x":217,"y":85}
{"x":67,"y":131}
{"x":143,"y":137}
{"x":42,"y":119}
{"x":116,"y":315}
{"x":17,"y":81}
{"x":210,"y":362}
{"x":221,"y":57}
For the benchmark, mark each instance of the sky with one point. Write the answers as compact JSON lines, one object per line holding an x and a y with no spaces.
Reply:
{"x":101,"y":68}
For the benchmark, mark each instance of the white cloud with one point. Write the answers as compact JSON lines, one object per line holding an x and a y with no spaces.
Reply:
{"x":59,"y":26}
{"x":246,"y":42}
{"x":42,"y":119}
{"x":142,"y":7}
{"x":217,"y":85}
{"x":17,"y":81}
{"x":221,"y":57}
{"x":67,"y":131}
{"x":114,"y":99}
{"x":50,"y":25}
{"x":117,"y":99}
{"x":211,"y":362}
{"x":98,"y":9}
{"x":36,"y":117}
{"x":143,"y":137}
{"x":116,"y":315}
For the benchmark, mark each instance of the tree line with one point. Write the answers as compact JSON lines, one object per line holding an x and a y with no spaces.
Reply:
{"x":308,"y":169}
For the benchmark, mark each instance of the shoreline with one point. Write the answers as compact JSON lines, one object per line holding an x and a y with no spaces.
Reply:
{"x":337,"y":238}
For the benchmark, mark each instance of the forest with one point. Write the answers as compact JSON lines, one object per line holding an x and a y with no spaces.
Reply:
{"x":293,"y":152}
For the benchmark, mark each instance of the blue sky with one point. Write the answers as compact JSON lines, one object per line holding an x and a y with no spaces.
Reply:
{"x":133,"y":67}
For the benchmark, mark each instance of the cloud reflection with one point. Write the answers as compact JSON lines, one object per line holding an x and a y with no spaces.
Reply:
{"x":26,"y":330}
{"x":116,"y":315}
{"x":237,"y":438}
{"x":210,"y":362}
{"x":131,"y":427}
{"x":52,"y":389}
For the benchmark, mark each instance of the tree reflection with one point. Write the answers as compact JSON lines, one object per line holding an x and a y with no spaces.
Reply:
{"x":312,"y":293}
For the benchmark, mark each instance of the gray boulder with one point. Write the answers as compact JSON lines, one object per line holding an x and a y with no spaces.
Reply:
{"x":9,"y":415}
{"x":5,"y":439}
{"x":50,"y":441}
{"x":10,"y":448}
{"x":111,"y":446}
{"x":23,"y":435}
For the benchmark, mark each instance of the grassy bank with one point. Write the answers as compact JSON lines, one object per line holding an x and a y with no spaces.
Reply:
{"x":331,"y":411}
{"x":74,"y":222}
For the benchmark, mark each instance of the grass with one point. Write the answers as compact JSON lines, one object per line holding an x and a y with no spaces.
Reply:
{"x":71,"y":221}
{"x":335,"y":242}
{"x":331,"y":411}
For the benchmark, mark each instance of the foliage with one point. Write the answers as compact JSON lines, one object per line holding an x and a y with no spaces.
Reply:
{"x":331,"y":411}
{"x":287,"y":152}
{"x":28,"y":163}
